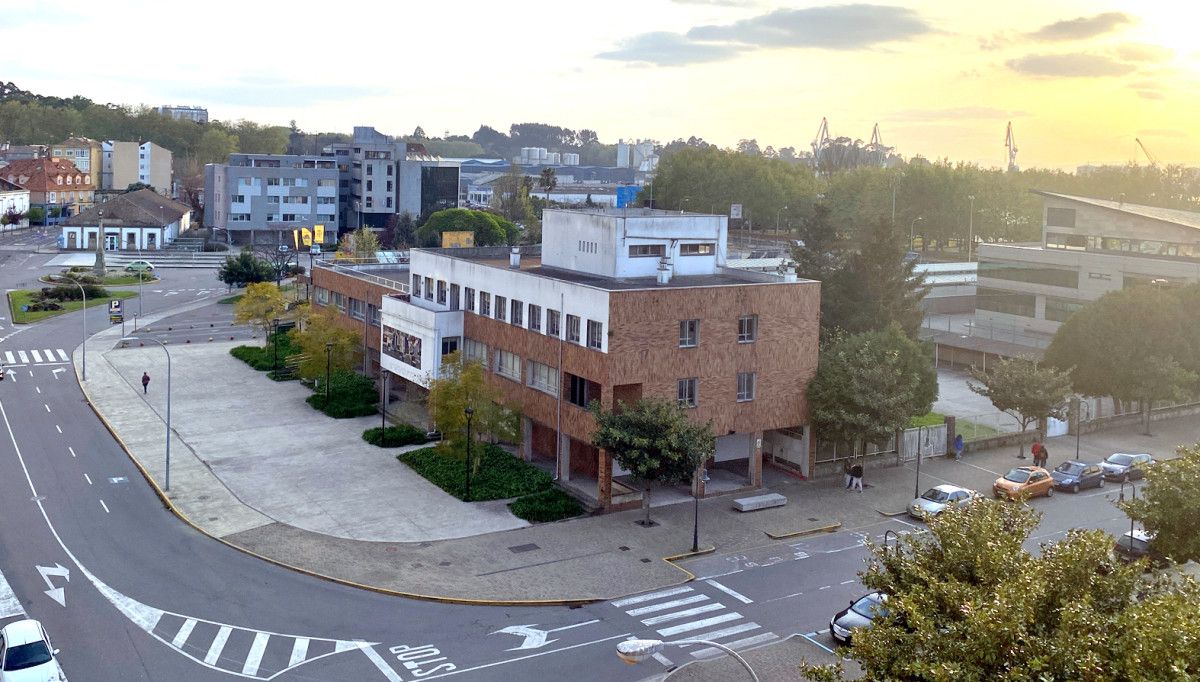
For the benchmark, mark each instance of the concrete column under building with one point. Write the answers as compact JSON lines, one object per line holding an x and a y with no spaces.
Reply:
{"x":756,"y":440}
{"x":526,"y":438}
{"x":604,"y":479}
{"x":564,"y":464}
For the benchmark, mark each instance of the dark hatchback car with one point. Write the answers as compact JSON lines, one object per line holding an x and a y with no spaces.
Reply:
{"x":1121,"y":466}
{"x":1074,"y":475}
{"x":859,"y":614}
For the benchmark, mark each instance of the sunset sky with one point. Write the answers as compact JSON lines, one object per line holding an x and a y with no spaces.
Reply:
{"x":1079,"y":80}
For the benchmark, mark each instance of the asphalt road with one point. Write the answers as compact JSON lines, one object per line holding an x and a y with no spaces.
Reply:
{"x":145,"y":597}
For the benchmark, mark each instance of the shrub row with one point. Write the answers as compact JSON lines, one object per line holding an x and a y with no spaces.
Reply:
{"x":262,"y":358}
{"x":395,"y":436}
{"x":350,"y":395}
{"x":545,"y":506}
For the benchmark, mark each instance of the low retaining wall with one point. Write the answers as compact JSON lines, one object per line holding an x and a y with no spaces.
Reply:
{"x":1002,"y":440}
{"x":1158,"y":414}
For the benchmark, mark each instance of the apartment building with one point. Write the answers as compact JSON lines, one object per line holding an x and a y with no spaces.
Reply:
{"x":126,"y":163}
{"x":84,"y":152}
{"x":1088,"y":248}
{"x":55,"y":185}
{"x":262,"y":198}
{"x":617,"y":305}
{"x":194,"y":114}
{"x":14,"y":201}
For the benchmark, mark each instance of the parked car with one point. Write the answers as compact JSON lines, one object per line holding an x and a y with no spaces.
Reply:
{"x":1075,"y":475}
{"x":140,"y":265}
{"x":1024,"y":482}
{"x":858,"y":615}
{"x":938,"y":498}
{"x":1122,"y":466}
{"x":26,"y":654}
{"x":1134,"y":545}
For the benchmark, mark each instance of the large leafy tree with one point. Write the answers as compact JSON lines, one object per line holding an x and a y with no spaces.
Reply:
{"x":877,"y":287}
{"x":322,"y":328}
{"x":1131,"y":344}
{"x":1024,"y":389}
{"x":361,"y":244}
{"x":1170,"y":505}
{"x":655,"y":440}
{"x":489,"y":229}
{"x":245,"y":268}
{"x":260,"y":305}
{"x":547,"y":182}
{"x":869,"y":385}
{"x":463,"y":383}
{"x":966,"y":601}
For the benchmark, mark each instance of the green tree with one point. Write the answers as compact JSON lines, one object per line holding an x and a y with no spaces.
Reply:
{"x":960,"y":608}
{"x":135,"y":186}
{"x":1024,"y":389}
{"x":244,"y":269}
{"x":1131,"y":344}
{"x":548,"y":181}
{"x":37,"y":215}
{"x":260,"y":305}
{"x":215,"y":146}
{"x":1169,"y":506}
{"x":489,"y":229}
{"x":510,"y":196}
{"x":875,"y":288}
{"x":323,"y":327}
{"x":463,"y":384}
{"x":362,"y":243}
{"x":655,"y":440}
{"x":869,"y":385}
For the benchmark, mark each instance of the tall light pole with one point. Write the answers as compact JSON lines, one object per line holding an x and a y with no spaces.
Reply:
{"x":469,"y":412}
{"x":1079,"y":425}
{"x":971,"y":228}
{"x":328,"y":363}
{"x":164,"y":347}
{"x":275,"y":359}
{"x":701,"y":474}
{"x":917,"y":485}
{"x":911,"y":227}
{"x":83,"y":293}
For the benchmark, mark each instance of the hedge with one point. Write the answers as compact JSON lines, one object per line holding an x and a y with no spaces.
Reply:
{"x":545,"y":506}
{"x":395,"y":436}
{"x":498,"y":476}
{"x":262,"y":358}
{"x":350,"y":395}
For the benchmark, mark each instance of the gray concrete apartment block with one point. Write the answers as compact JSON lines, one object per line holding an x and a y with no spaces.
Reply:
{"x":261,"y":198}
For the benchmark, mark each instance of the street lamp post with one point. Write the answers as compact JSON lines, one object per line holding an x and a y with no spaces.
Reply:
{"x":971,"y":228}
{"x":1132,"y":496}
{"x":634,"y":651}
{"x":275,"y":338}
{"x":912,"y":226}
{"x":328,"y":361}
{"x":164,"y":347}
{"x":1079,"y":425}
{"x":917,"y":485}
{"x":701,"y":474}
{"x":83,"y":293}
{"x":469,"y":412}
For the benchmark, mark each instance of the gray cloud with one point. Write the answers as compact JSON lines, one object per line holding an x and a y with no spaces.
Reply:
{"x":1143,"y":52}
{"x":1072,"y":65}
{"x":954,"y":113}
{"x":1083,"y":27}
{"x":839,"y":27}
{"x":1148,"y":89}
{"x":663,"y":48}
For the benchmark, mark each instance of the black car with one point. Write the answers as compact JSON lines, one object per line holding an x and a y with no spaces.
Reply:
{"x":1074,"y":475}
{"x":859,"y":614}
{"x":1121,"y":466}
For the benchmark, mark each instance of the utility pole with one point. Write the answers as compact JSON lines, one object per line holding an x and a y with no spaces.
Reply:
{"x":971,"y":228}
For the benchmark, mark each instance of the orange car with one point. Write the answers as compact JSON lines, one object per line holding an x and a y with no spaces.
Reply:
{"x":1024,"y":482}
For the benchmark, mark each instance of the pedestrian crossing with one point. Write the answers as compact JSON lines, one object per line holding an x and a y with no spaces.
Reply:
{"x":34,"y":356}
{"x":10,"y":606}
{"x":684,"y":612}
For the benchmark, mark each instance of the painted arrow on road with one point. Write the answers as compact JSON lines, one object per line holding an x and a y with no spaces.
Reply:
{"x":58,"y":594}
{"x":535,"y":638}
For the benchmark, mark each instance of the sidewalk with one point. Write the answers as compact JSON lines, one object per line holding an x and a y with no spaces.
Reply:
{"x":300,"y":489}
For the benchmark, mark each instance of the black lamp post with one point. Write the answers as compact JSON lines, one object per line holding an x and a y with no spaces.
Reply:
{"x":1079,"y":424}
{"x":469,"y":412}
{"x":328,"y":356}
{"x":701,"y":475}
{"x":275,"y":359}
{"x":1132,"y":496}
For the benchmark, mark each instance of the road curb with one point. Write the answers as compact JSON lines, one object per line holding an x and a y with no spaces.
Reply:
{"x":891,"y":514}
{"x":829,"y":528}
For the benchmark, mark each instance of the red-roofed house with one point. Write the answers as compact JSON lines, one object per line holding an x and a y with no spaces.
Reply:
{"x":55,"y":185}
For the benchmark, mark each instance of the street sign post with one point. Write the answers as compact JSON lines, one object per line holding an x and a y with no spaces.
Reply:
{"x":116,"y":314}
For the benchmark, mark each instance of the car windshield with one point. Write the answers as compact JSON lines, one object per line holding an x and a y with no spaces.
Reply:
{"x":1017,"y":476}
{"x":869,"y":607}
{"x":26,"y":656}
{"x":1134,"y":543}
{"x":935,"y":495}
{"x":1072,"y":468}
{"x":1119,"y":459}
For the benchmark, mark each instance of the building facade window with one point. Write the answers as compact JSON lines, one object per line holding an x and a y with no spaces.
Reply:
{"x":747,"y":328}
{"x":747,"y":384}
{"x":475,"y":350}
{"x":1069,"y":242}
{"x":1059,"y":309}
{"x":595,"y":334}
{"x":1060,"y":217}
{"x":469,"y":296}
{"x":647,"y":251}
{"x":543,"y":377}
{"x":416,"y":286}
{"x":1008,"y":302}
{"x":322,"y":296}
{"x":697,"y":249}
{"x":454,"y":297}
{"x":535,"y":317}
{"x":356,"y":309}
{"x":573,"y":328}
{"x":428,"y":288}
{"x":689,"y":333}
{"x":686,"y":392}
{"x":516,"y":313}
{"x":373,"y":314}
{"x":501,"y":307}
{"x":485,"y":304}
{"x":552,"y":324}
{"x":441,"y":292}
{"x":339,"y":300}
{"x":508,"y":365}
{"x":580,"y":391}
{"x":1056,"y":277}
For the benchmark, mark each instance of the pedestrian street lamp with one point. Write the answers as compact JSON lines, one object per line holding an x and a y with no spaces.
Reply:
{"x":911,"y":227}
{"x":634,"y":651}
{"x":164,"y":347}
{"x":328,"y":362}
{"x":469,"y":412}
{"x":1079,"y":425}
{"x":275,"y":338}
{"x":701,"y":476}
{"x":83,"y":293}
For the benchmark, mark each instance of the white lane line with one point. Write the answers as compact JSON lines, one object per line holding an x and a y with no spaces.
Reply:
{"x":809,"y":638}
{"x":88,"y":478}
{"x":21,"y":354}
{"x":847,"y":582}
{"x":383,"y":666}
{"x":37,"y":357}
{"x":735,"y":630}
{"x":9,"y":604}
{"x":58,"y":427}
{"x":299,"y":651}
{"x":667,"y":605}
{"x":218,"y":643}
{"x":663,"y":659}
{"x":522,"y":658}
{"x":106,"y":511}
{"x":740,"y":644}
{"x":71,"y":450}
{"x":698,"y":624}
{"x":46,"y":406}
{"x":688,"y":613}
{"x":736,"y":595}
{"x":825,"y":588}
{"x":185,"y":631}
{"x":38,"y":389}
{"x":9,"y":356}
{"x":62,"y":355}
{"x":650,"y":597}
{"x":257,"y":649}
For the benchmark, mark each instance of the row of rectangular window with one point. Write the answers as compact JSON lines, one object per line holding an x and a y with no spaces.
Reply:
{"x":689,"y":331}
{"x":688,"y":396}
{"x":352,"y":306}
{"x":659,"y":250}
{"x":1122,"y":245}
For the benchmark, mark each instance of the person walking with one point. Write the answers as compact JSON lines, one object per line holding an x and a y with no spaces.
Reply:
{"x":856,"y":476}
{"x":1036,"y":451}
{"x":145,"y":382}
{"x":846,"y":472}
{"x":1043,"y":455}
{"x":958,"y":447}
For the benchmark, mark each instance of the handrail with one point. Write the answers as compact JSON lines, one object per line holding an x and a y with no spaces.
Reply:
{"x":402,"y":287}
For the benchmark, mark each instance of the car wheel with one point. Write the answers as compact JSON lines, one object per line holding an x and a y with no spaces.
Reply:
{"x":1101,"y":484}
{"x":1075,"y":488}
{"x":1050,"y":491}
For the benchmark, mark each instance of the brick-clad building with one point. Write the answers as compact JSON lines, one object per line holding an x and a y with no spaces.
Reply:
{"x":355,"y":292}
{"x":620,"y":304}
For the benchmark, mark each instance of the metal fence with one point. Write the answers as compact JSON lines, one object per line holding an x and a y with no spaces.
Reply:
{"x":927,"y":440}
{"x":980,"y":426}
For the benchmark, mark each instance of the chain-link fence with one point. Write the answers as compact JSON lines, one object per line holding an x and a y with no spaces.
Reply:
{"x":980,"y":426}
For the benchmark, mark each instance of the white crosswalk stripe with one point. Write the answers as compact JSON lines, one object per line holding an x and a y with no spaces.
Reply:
{"x":9,"y":604}
{"x":687,"y":612}
{"x":8,"y":356}
{"x":36,"y":356}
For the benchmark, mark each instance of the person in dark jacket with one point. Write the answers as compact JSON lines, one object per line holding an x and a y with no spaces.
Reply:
{"x":856,"y":476}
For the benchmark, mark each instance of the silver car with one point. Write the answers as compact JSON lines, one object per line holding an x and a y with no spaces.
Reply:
{"x":938,"y":498}
{"x":1121,"y":466}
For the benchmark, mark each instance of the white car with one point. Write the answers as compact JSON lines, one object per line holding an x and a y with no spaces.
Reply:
{"x":26,"y":654}
{"x":938,"y":498}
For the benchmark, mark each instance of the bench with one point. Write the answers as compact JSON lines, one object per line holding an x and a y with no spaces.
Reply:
{"x":757,"y":502}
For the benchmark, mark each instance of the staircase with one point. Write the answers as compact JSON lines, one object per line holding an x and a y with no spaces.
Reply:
{"x":188,"y":244}
{"x":167,"y":258}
